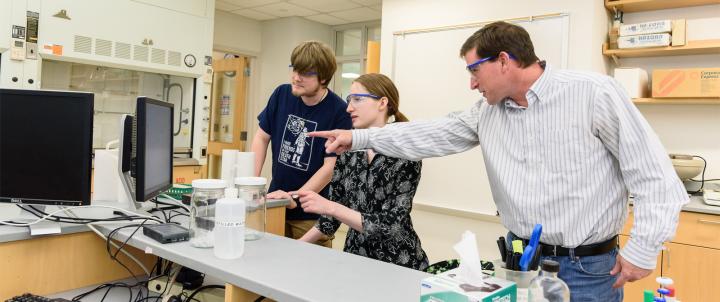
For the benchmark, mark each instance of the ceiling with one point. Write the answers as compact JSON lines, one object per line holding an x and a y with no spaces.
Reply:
{"x":330,"y":12}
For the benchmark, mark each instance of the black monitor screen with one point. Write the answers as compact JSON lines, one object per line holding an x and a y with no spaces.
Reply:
{"x":45,"y":147}
{"x":154,"y":147}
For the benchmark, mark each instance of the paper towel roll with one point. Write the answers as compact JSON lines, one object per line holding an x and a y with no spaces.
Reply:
{"x":245,"y":164}
{"x":106,"y":179}
{"x":229,"y":162}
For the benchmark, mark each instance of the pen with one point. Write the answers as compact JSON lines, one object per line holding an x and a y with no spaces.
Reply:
{"x":536,"y":258}
{"x":503,"y":250}
{"x":516,"y":261}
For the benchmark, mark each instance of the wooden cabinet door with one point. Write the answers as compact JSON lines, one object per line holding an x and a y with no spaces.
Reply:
{"x":694,"y":270}
{"x":634,"y":290}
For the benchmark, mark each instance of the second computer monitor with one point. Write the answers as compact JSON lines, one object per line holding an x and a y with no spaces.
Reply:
{"x":154,"y":148}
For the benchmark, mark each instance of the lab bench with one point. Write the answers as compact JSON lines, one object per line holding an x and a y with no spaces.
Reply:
{"x":77,"y":257}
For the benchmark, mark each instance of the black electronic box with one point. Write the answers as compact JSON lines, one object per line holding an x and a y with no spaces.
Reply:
{"x":166,"y":232}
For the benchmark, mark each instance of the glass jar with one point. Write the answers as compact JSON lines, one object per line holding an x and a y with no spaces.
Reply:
{"x":252,"y":190}
{"x":202,"y":210}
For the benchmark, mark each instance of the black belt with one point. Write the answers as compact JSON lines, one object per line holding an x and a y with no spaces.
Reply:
{"x":580,"y":251}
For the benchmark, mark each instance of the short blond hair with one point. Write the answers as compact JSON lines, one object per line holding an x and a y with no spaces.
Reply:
{"x":314,"y":56}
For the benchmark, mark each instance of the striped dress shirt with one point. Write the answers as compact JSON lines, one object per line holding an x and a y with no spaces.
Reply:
{"x":566,"y":161}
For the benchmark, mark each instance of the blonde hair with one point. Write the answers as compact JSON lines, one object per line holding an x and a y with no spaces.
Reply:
{"x":381,"y":86}
{"x":314,"y":56}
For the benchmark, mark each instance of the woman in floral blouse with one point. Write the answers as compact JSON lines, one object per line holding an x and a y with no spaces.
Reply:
{"x":372,"y":193}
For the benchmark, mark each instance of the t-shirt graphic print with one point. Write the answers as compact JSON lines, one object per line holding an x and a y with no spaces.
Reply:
{"x":296,"y":147}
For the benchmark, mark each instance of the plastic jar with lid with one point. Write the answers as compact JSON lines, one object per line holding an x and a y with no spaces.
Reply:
{"x":252,"y":190}
{"x":205,"y":194}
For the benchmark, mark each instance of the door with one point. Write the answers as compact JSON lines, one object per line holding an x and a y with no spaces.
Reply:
{"x":227,"y":111}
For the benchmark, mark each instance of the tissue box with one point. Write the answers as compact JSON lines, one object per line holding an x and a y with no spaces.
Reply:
{"x":686,"y":82}
{"x":449,"y":287}
{"x":634,"y":80}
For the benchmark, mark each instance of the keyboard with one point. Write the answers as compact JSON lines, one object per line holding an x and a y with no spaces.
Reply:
{"x":34,"y":298}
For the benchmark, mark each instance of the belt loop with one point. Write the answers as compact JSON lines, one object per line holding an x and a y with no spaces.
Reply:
{"x":571,"y":253}
{"x":554,"y":250}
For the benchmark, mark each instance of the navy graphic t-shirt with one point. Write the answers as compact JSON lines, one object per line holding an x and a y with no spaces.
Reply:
{"x":296,"y":157}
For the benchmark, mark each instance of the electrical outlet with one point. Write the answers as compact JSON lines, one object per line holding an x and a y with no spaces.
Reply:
{"x":158,"y":285}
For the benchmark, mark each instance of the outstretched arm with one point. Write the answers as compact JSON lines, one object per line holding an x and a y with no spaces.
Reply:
{"x":411,"y":140}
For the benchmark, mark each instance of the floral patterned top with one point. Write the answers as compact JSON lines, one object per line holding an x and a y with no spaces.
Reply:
{"x":382,"y":191}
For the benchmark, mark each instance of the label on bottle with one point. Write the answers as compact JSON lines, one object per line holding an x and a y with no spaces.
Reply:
{"x":232,"y":224}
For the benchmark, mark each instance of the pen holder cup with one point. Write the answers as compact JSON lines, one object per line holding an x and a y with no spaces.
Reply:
{"x":522,"y":279}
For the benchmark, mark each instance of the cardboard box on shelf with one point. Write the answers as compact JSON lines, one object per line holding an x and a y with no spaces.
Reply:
{"x":679,"y":33}
{"x":640,"y":41}
{"x":652,"y":27}
{"x":634,"y":80}
{"x":686,"y":83}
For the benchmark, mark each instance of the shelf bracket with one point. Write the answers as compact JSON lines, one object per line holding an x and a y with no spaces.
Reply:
{"x":615,"y":59}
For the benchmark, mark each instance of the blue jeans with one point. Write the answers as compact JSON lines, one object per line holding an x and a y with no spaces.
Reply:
{"x":588,"y":277}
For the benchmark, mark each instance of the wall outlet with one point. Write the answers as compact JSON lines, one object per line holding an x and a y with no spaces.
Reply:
{"x":157,"y":287}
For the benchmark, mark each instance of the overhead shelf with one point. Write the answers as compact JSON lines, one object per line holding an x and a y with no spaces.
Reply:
{"x":678,"y":101}
{"x":630,"y":6}
{"x":691,"y":48}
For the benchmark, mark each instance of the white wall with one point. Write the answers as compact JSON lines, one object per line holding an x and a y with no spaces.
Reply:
{"x":588,"y":23}
{"x":237,"y":34}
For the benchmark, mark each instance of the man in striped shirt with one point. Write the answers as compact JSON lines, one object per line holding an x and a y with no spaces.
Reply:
{"x":563,"y":149}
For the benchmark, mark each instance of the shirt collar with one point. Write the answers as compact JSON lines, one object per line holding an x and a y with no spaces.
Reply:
{"x":541,"y":88}
{"x":537,"y":92}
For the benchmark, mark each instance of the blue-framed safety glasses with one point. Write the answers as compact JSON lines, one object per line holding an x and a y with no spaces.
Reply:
{"x":357,"y":98}
{"x":302,"y":74}
{"x":472,"y":66}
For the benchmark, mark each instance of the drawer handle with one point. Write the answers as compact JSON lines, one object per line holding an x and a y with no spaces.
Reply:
{"x":708,"y":221}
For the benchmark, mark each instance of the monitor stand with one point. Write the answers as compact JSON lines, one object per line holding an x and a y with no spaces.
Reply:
{"x":44,"y":227}
{"x":125,"y":146}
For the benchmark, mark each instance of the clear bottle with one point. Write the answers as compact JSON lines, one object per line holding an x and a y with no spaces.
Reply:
{"x":205,"y":194}
{"x":252,"y":190}
{"x":229,"y":226}
{"x":547,"y":287}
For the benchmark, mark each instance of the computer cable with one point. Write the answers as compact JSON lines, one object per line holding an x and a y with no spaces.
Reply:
{"x":702,"y":179}
{"x":107,"y":287}
{"x":75,"y":220}
{"x":120,"y":248}
{"x":52,"y":214}
{"x":174,"y":201}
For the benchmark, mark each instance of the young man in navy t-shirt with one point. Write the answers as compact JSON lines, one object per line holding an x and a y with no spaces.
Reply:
{"x":305,"y":105}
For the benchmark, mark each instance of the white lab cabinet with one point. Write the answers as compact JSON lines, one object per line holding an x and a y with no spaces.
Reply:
{"x":141,"y":34}
{"x":5,"y":25}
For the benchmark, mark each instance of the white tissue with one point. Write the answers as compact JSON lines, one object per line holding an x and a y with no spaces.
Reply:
{"x":470,"y":268}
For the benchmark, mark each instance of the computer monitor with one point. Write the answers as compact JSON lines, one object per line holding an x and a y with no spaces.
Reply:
{"x":154,"y":147}
{"x":45,"y":147}
{"x":146,"y":150}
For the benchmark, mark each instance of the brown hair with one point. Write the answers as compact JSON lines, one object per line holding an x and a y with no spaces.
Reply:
{"x":502,"y":36}
{"x":314,"y":56}
{"x":380,"y":85}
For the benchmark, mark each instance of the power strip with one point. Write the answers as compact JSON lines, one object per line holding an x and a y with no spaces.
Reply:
{"x":157,"y":287}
